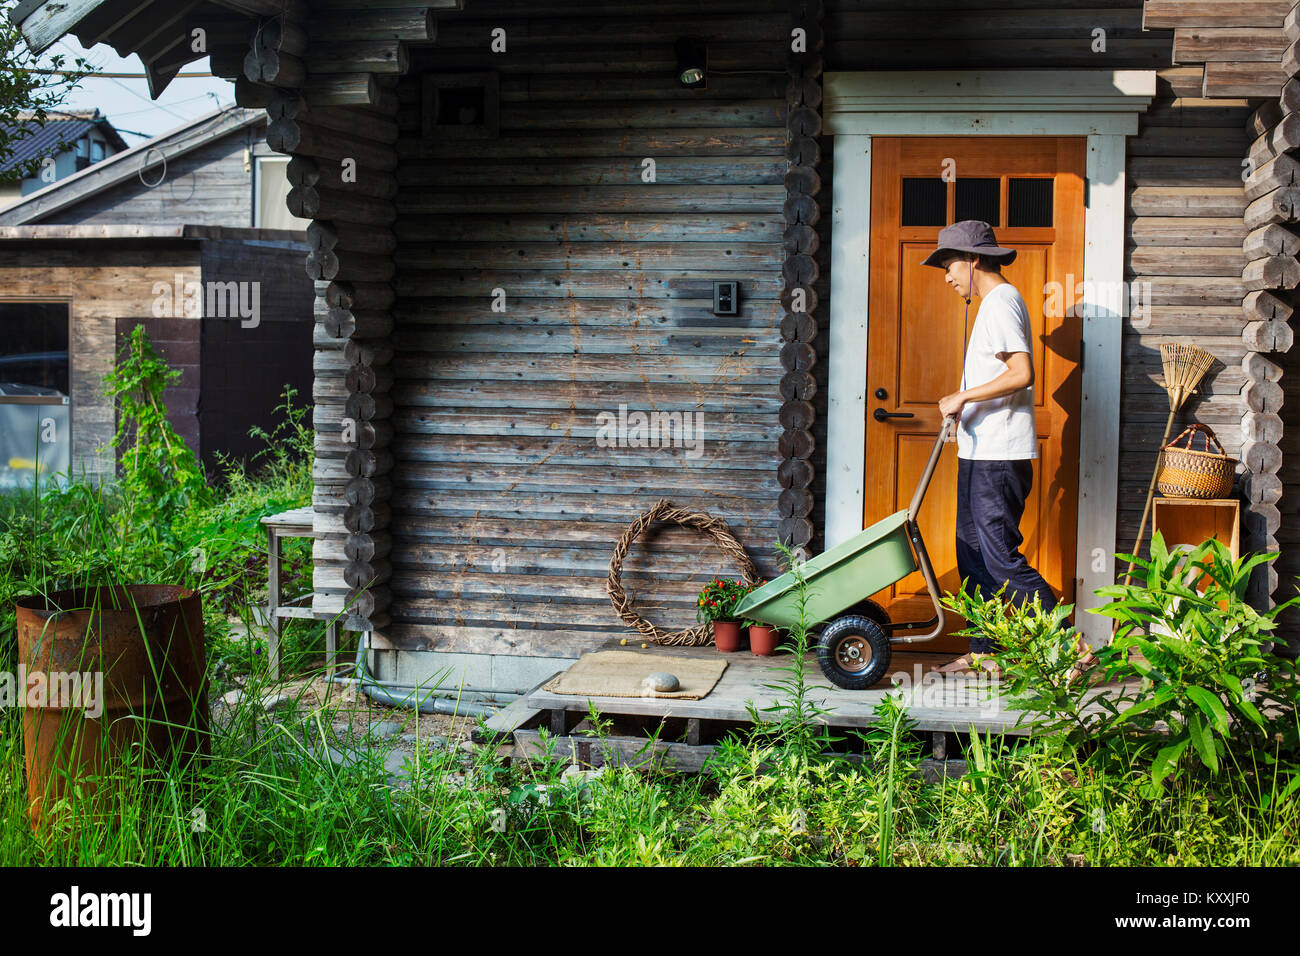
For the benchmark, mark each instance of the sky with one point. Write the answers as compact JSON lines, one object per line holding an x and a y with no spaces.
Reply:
{"x":126,"y":103}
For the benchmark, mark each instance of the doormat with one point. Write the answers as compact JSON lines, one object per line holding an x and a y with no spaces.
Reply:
{"x":620,"y":674}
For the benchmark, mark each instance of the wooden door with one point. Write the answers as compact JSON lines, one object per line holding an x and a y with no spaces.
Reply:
{"x":1031,"y":189}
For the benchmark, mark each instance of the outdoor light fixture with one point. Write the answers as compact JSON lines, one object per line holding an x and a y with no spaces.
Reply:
{"x":692,"y":62}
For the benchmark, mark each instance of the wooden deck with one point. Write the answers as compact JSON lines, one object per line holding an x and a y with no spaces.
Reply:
{"x":941,"y":704}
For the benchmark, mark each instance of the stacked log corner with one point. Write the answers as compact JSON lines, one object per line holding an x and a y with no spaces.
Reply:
{"x":329,"y":57}
{"x":800,"y":273}
{"x":341,"y":177}
{"x":352,"y":245}
{"x":1271,"y":277}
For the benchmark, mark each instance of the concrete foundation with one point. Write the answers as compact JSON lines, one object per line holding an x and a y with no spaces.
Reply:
{"x":498,"y":674}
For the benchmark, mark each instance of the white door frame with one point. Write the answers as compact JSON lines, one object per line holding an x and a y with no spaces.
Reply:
{"x":1101,"y":105}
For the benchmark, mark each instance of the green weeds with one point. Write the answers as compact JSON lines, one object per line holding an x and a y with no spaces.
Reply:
{"x":283,"y":788}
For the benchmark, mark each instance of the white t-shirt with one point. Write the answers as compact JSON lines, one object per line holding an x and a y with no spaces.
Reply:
{"x":1000,"y":429}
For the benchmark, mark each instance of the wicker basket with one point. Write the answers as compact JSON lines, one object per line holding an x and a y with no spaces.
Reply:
{"x":1187,"y":473}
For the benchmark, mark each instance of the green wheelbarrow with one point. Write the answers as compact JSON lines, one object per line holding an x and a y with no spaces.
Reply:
{"x":854,"y":649}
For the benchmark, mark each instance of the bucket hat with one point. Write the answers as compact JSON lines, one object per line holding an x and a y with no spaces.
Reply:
{"x":970,"y":236}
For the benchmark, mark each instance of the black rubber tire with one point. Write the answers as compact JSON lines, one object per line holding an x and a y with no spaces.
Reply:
{"x":865,"y":608}
{"x":830,"y":654}
{"x":872,"y":611}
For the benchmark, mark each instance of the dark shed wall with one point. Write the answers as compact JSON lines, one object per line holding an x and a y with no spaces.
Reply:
{"x":246,"y":368}
{"x":507,"y":509}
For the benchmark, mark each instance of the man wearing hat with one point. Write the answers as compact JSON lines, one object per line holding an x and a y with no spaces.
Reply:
{"x":996,"y":436}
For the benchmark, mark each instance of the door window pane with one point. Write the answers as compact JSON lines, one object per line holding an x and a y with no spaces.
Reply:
{"x":1029,"y":202}
{"x":925,"y":202}
{"x":979,"y":199}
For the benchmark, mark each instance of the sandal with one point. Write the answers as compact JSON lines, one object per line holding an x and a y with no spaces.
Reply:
{"x":963,"y":663}
{"x":1086,"y":665}
{"x":972,"y":663}
{"x":987,"y":663}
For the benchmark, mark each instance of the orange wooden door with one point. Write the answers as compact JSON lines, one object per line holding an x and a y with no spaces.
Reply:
{"x":1031,"y":189}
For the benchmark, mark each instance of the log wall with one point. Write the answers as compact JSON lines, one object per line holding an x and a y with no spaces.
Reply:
{"x":1250,"y":49}
{"x":337,"y":125}
{"x":1184,"y":256}
{"x":510,"y":500}
{"x":1273,"y":420}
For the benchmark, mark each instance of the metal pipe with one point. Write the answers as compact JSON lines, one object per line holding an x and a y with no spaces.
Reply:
{"x":428,"y":704}
{"x":475,"y":692}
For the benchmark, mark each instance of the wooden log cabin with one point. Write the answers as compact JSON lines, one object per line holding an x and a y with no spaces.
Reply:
{"x":527,"y":222}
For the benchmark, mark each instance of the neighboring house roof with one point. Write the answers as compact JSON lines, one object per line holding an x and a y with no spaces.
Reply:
{"x":122,"y":166}
{"x":90,"y":232}
{"x":60,"y":129}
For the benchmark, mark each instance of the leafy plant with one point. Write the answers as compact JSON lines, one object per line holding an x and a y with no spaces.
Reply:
{"x":226,"y":537}
{"x":795,"y":719}
{"x":1038,"y":651}
{"x":718,"y":600}
{"x":1192,"y":680}
{"x":161,"y":477}
{"x":1202,"y":658}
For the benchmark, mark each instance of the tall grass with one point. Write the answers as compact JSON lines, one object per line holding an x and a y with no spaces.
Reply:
{"x":271,"y":795}
{"x":283,"y":789}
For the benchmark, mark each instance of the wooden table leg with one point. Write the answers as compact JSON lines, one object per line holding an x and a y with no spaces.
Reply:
{"x":273,"y":600}
{"x":693,"y":731}
{"x":939,"y":745}
{"x":331,"y":646}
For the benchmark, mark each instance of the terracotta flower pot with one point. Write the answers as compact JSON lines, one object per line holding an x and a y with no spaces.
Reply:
{"x":763,"y":640}
{"x":726,"y":636}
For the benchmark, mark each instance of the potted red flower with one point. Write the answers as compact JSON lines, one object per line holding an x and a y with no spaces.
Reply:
{"x":763,"y":638}
{"x":716,"y":605}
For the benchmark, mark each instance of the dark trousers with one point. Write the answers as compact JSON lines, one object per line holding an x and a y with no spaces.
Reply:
{"x":990,"y":503}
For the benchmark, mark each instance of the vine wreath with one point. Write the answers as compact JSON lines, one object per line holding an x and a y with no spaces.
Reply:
{"x":705,"y":524}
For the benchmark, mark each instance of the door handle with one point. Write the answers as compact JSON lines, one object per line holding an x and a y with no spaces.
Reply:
{"x":881,"y":415}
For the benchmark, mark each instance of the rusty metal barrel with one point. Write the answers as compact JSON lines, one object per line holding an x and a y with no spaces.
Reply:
{"x":105,"y":669}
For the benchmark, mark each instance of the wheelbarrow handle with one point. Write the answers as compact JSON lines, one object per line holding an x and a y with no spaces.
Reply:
{"x":923,"y":485}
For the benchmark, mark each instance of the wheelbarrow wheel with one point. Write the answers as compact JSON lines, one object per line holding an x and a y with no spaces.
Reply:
{"x":853,"y":652}
{"x":872,"y":611}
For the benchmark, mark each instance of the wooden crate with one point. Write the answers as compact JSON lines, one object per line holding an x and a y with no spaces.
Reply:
{"x":1191,"y":521}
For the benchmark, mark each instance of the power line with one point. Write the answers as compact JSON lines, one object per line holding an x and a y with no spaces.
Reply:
{"x":107,"y":76}
{"x":190,"y":99}
{"x":153,"y":103}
